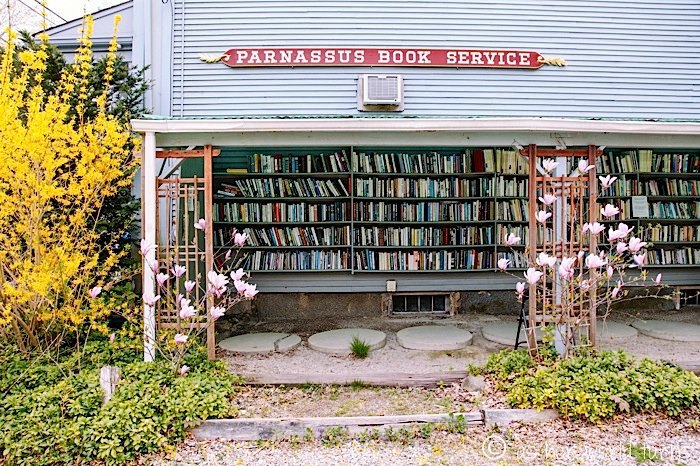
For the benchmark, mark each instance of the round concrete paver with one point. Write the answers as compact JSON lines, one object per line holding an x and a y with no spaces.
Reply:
{"x":434,"y":338}
{"x":269,"y":342}
{"x":338,"y":341}
{"x":614,"y":331}
{"x":668,"y":330}
{"x":504,"y":333}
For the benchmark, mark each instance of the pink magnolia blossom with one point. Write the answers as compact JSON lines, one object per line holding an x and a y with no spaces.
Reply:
{"x":584,"y":167}
{"x":94,"y":292}
{"x":239,"y":239}
{"x":610,"y":271}
{"x":544,"y":259}
{"x":178,"y":270}
{"x":566,"y":268}
{"x":533,"y":275}
{"x":549,"y":165}
{"x":512,"y":239}
{"x":614,"y":235}
{"x":180,"y":338}
{"x":201,"y":224}
{"x":548,"y":199}
{"x":178,"y":298}
{"x":112,"y":337}
{"x":609,"y":211}
{"x":149,"y":299}
{"x":189,"y":286}
{"x":621,"y":247}
{"x":658,"y":279}
{"x":542,"y":216}
{"x":520,"y":289}
{"x":594,"y":261}
{"x":146,"y":246}
{"x":585,"y":285}
{"x":228,"y":255}
{"x":217,"y":311}
{"x":184,"y":369}
{"x":503,"y":264}
{"x":616,"y":290}
{"x":624,"y":228}
{"x":186,"y":310}
{"x":237,"y":275}
{"x":217,"y":283}
{"x":636,"y":244}
{"x":154,"y":266}
{"x":580,"y":254}
{"x":250,"y":291}
{"x":240,"y":285}
{"x":607,"y":181}
{"x":639,"y":259}
{"x":161,"y":278}
{"x":595,"y":227}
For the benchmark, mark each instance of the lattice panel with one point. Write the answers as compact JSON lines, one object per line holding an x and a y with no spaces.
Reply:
{"x":180,"y":205}
{"x":555,"y":303}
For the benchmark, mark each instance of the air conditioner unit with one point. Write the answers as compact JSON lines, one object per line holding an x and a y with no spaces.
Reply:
{"x":384,"y":89}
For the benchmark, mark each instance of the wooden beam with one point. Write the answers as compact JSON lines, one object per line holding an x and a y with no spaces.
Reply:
{"x":209,"y":244}
{"x":384,"y":379}
{"x":185,"y":154}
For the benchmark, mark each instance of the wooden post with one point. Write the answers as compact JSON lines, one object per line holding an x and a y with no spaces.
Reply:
{"x":109,"y":378}
{"x":592,"y":217}
{"x":209,"y":245}
{"x":532,"y":248}
{"x":148,"y":172}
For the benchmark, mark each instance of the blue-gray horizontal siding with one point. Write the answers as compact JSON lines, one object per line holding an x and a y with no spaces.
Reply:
{"x":626,"y":59}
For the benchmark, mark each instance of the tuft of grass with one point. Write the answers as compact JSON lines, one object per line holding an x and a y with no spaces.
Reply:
{"x":642,"y":453}
{"x":358,"y":385}
{"x":359,"y":347}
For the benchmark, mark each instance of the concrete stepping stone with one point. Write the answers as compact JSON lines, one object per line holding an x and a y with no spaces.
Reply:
{"x":266,"y":342}
{"x":614,"y":331}
{"x":338,"y":341}
{"x":504,"y":333}
{"x":668,"y":330}
{"x":434,"y":338}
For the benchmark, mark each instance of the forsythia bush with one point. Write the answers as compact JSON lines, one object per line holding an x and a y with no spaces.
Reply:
{"x":594,"y":386}
{"x":58,"y":167}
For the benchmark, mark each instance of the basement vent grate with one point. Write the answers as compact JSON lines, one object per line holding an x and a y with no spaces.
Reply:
{"x":404,"y":304}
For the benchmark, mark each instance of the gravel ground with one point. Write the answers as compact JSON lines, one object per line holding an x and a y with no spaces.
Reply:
{"x":624,"y":442}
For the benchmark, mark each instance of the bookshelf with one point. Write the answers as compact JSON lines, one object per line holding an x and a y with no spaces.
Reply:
{"x":668,"y":182}
{"x":413,"y":210}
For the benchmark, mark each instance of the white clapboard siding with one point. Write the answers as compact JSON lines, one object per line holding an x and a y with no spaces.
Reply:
{"x":626,"y":59}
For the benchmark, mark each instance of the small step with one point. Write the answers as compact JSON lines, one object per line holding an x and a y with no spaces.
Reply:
{"x":384,"y":379}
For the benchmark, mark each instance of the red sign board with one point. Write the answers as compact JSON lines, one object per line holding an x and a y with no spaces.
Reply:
{"x":346,"y":56}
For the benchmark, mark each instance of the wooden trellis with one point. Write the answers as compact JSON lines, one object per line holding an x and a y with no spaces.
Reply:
{"x":181,"y":202}
{"x":551,"y":302}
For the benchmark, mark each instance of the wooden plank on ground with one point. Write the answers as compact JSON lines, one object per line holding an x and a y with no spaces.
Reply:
{"x":268,"y":428}
{"x":387,"y":379}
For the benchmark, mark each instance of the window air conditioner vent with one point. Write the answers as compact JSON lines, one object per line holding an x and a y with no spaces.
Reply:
{"x":382,"y":89}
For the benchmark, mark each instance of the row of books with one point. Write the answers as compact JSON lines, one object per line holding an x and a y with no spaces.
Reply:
{"x":298,"y":260}
{"x":470,"y":259}
{"x":281,"y":212}
{"x":672,"y":233}
{"x":514,"y":210}
{"x":298,"y":236}
{"x":645,"y":161}
{"x":282,"y":187}
{"x":469,"y":161}
{"x":422,"y":187}
{"x":675,"y":210}
{"x":682,"y":256}
{"x":666,"y":187}
{"x":423,"y":236}
{"x":292,"y":163}
{"x":446,"y":211}
{"x":511,"y":187}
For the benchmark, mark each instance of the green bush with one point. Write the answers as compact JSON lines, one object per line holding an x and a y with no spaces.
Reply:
{"x":594,"y":386}
{"x":63,"y":421}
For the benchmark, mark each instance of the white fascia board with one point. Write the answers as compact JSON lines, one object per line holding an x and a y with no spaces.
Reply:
{"x":412,"y":125}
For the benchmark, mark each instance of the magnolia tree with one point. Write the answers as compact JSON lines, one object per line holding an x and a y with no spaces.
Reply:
{"x":220,"y":290}
{"x":590,"y":279}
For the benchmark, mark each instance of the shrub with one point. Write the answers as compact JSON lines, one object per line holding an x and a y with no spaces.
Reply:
{"x":594,"y":386}
{"x":64,"y":421}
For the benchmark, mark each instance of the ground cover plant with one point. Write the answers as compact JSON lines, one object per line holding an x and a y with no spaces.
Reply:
{"x":594,"y":386}
{"x":51,"y":411}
